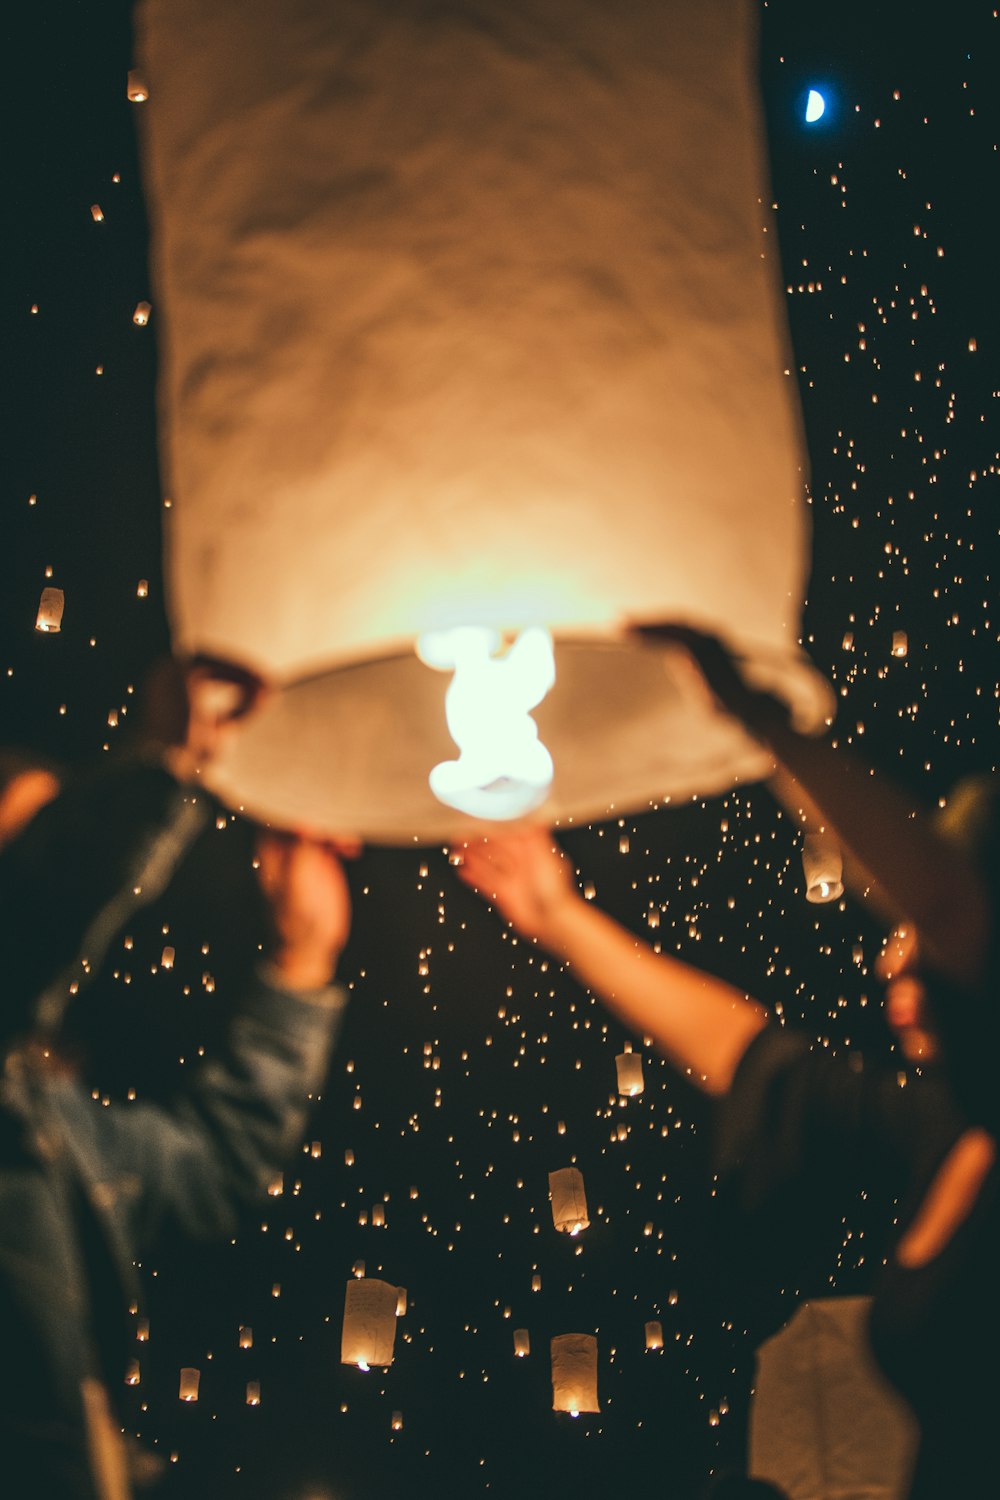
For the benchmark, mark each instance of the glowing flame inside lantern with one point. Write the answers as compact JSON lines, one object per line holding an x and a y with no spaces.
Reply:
{"x":503,"y":769}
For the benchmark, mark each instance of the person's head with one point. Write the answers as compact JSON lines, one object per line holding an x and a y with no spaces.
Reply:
{"x":970,"y":819}
{"x":26,"y":785}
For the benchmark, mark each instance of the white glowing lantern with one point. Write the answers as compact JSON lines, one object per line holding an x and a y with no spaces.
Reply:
{"x":629,"y":1066}
{"x":569,"y":1200}
{"x":823,"y":867}
{"x":550,"y":392}
{"x":50,"y":611}
{"x":189,"y":1382}
{"x":824,"y":1420}
{"x":136,"y":87}
{"x":574,"y":1373}
{"x":654,"y":1334}
{"x":522,"y":1343}
{"x":369,"y":1330}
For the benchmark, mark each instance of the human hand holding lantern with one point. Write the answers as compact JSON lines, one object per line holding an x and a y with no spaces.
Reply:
{"x":306,"y":890}
{"x":524,"y":875}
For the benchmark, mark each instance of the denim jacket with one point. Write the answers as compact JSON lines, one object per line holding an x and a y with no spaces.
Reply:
{"x":85,"y":1190}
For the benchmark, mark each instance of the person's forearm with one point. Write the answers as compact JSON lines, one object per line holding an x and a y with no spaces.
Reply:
{"x":919,"y":876}
{"x":700,"y":1023}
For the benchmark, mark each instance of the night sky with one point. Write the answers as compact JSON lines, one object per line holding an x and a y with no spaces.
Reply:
{"x":470,"y":1067}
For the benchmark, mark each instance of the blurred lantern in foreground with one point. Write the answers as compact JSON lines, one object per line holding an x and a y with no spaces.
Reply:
{"x":654,"y":1334}
{"x":369,"y":1331}
{"x":189,"y":1382}
{"x":629,"y":1066}
{"x":574,"y":1373}
{"x":569,"y":1200}
{"x":50,"y":611}
{"x":469,"y":355}
{"x":823,"y":1419}
{"x":522,"y":1343}
{"x":822,"y":867}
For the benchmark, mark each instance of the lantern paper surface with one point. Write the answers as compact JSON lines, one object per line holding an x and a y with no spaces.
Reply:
{"x":469,"y":318}
{"x":569,"y":1200}
{"x":50,"y":610}
{"x":629,"y":1068}
{"x":822,"y":867}
{"x":574,"y":1372}
{"x":824,"y":1424}
{"x":369,"y":1331}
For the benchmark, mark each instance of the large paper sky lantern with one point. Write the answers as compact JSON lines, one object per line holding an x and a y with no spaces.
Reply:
{"x":469,"y":321}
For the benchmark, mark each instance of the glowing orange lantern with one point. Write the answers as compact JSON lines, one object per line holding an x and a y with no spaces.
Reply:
{"x":369,"y":1329}
{"x":629,"y":1066}
{"x":569,"y":1200}
{"x":574,"y":1373}
{"x":50,"y":611}
{"x":548,"y":393}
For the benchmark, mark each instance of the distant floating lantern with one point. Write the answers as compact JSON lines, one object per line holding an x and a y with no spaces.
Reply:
{"x":246,"y":1336}
{"x":167,"y":958}
{"x":401,"y":1302}
{"x":253,"y":1393}
{"x":142,"y":1331}
{"x":397,"y":1421}
{"x":574,"y":1373}
{"x":559,"y":402}
{"x":142,"y":588}
{"x":536,"y":1282}
{"x":316,"y":1150}
{"x":369,"y":1329}
{"x":50,"y":611}
{"x":900,"y":643}
{"x":358,"y":1268}
{"x":190,"y":1380}
{"x":569,"y":1200}
{"x":522,"y":1343}
{"x":348,"y":1157}
{"x":133,"y":1373}
{"x":629,"y":1065}
{"x":823,"y":867}
{"x":136,"y":87}
{"x":378,"y":1215}
{"x":654,"y":1334}
{"x":141,"y":315}
{"x":97,"y":213}
{"x":276,"y":1186}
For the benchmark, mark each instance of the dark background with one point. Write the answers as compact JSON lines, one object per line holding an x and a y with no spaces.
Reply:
{"x":885,"y":210}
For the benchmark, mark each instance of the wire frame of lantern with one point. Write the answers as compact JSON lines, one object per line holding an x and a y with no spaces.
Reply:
{"x":822,"y":867}
{"x":522,"y":1343}
{"x":369,"y":1329}
{"x":654,"y":1334}
{"x":630,"y":1080}
{"x":574,"y":1373}
{"x":50,"y":611}
{"x":190,"y":1380}
{"x":569,"y":1200}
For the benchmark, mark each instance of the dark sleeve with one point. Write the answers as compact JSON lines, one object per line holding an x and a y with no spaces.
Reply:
{"x":70,"y":881}
{"x":193,"y":1165}
{"x":800,"y":1134}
